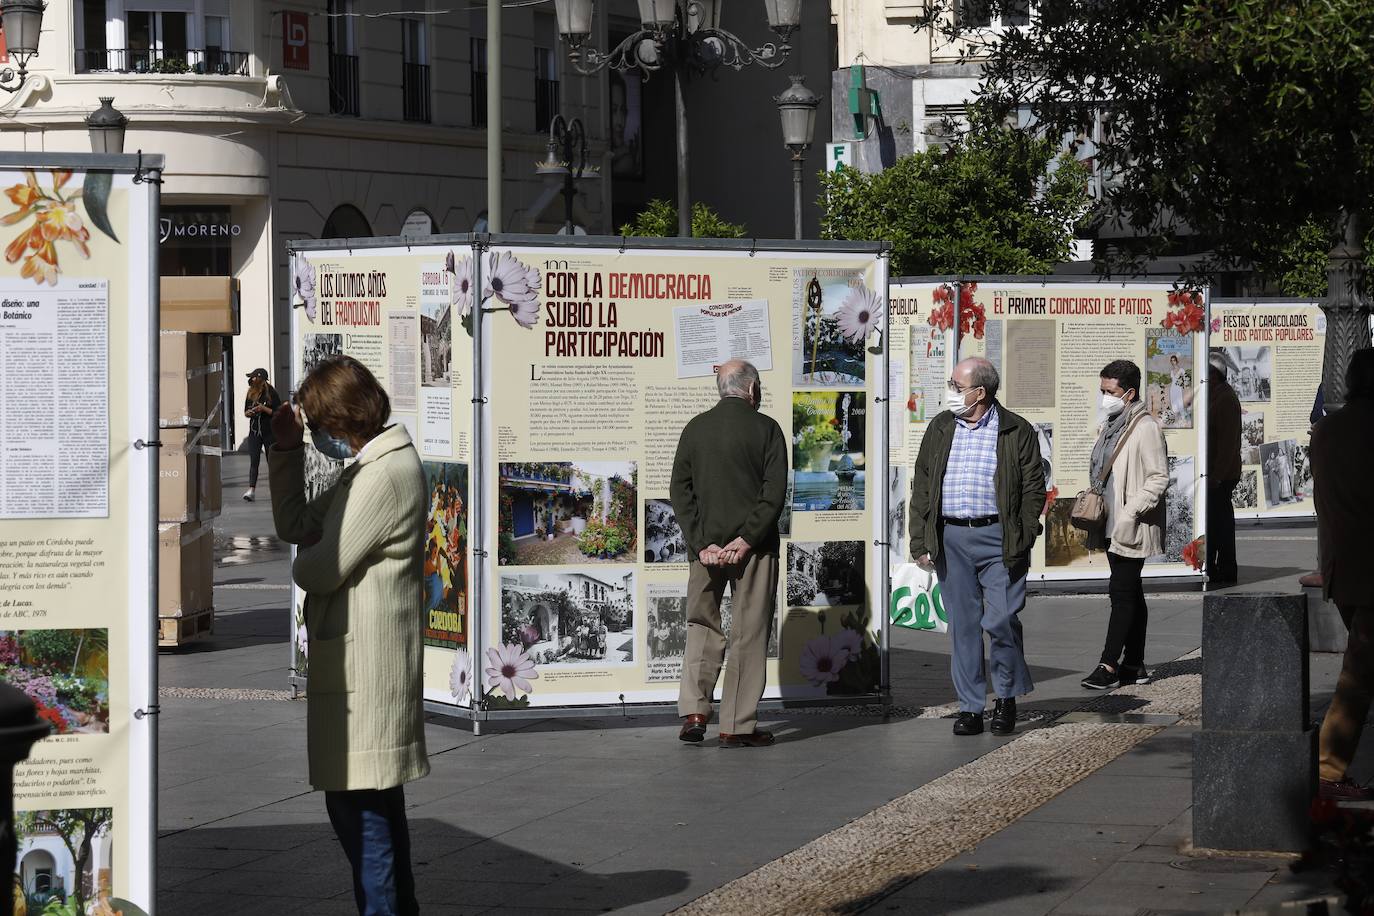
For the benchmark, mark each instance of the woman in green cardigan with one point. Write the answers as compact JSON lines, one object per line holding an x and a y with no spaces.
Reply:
{"x":360,"y":562}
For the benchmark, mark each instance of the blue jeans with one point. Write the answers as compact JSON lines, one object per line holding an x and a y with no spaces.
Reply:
{"x":371,"y":826}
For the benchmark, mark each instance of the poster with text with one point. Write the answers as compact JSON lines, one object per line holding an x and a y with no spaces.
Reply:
{"x":78,"y":529}
{"x":406,"y":315}
{"x":600,"y":358}
{"x":1050,"y":342}
{"x":1273,"y":351}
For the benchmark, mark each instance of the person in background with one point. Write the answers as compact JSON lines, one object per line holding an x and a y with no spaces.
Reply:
{"x":728,"y":485}
{"x":1223,"y":472}
{"x":1314,"y":578}
{"x":360,"y":563}
{"x":1135,"y":482}
{"x":259,"y":404}
{"x":1344,"y":494}
{"x":977,"y":491}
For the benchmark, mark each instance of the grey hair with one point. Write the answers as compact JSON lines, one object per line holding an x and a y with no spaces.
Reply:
{"x":737,"y":379}
{"x":983,"y":374}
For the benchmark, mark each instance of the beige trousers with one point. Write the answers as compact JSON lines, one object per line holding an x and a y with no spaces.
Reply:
{"x":753,"y":590}
{"x":1345,"y":718}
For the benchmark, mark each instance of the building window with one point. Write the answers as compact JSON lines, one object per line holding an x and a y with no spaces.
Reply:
{"x":978,"y":14}
{"x":941,"y":125}
{"x":545,"y":87}
{"x":160,"y":40}
{"x":343,"y":60}
{"x":414,"y":70}
{"x":479,"y":82}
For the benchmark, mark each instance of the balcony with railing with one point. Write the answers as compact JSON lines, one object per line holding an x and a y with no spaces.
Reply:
{"x":343,"y":84}
{"x":192,"y":61}
{"x":415,"y":90}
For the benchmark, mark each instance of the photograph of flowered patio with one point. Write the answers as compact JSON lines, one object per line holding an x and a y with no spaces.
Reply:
{"x":570,"y":616}
{"x":828,"y":435}
{"x":566,"y":512}
{"x":66,"y":673}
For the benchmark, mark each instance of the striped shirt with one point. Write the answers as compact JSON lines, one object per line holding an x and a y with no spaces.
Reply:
{"x":970,"y":486}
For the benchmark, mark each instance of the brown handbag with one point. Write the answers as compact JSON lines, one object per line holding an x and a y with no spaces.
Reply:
{"x":1089,"y":510}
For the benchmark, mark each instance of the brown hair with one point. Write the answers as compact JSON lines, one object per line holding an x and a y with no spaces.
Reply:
{"x":344,"y":397}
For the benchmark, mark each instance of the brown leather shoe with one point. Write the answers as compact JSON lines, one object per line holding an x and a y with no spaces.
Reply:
{"x":694,"y":728}
{"x":753,"y":739}
{"x":1343,"y":790}
{"x":1311,"y":580}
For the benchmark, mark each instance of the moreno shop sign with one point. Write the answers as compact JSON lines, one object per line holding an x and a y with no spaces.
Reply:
{"x":208,"y":229}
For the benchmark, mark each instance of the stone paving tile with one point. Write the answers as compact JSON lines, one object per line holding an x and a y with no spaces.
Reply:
{"x":250,"y":885}
{"x":1140,"y":800}
{"x":1104,"y":897}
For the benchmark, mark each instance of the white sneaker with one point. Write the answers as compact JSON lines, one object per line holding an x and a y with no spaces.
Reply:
{"x":248,"y":495}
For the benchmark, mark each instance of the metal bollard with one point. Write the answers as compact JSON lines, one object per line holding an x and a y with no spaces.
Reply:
{"x":20,"y":728}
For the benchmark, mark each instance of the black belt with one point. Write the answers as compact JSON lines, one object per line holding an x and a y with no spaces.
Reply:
{"x":981,"y":521}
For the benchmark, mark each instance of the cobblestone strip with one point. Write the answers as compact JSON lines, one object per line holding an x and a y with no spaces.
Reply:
{"x":854,"y":866}
{"x":222,"y":693}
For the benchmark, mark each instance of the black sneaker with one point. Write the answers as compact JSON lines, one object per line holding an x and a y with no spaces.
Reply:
{"x":1101,"y":679}
{"x":1130,"y":675}
{"x":969,"y":723}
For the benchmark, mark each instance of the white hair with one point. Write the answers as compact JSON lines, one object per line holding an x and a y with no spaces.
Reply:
{"x":737,"y":379}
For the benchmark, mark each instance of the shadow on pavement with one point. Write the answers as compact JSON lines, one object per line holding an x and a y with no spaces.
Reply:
{"x":287,"y":869}
{"x":241,"y":628}
{"x":951,"y":893}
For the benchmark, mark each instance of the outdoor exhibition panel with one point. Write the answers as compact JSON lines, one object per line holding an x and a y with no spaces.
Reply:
{"x":1049,"y":341}
{"x":605,"y":353}
{"x":920,"y":347}
{"x":391,"y":307}
{"x":78,"y":519}
{"x":590,"y":356}
{"x":1274,"y":349}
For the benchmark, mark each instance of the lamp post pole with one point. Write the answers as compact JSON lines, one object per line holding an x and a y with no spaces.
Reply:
{"x":684,"y":35}
{"x":1347,"y":308}
{"x":566,"y":157}
{"x":797,"y":110}
{"x":495,"y":121}
{"x":797,"y":193}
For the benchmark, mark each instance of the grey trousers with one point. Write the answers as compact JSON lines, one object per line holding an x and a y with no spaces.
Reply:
{"x":981,"y":594}
{"x":753,"y":589}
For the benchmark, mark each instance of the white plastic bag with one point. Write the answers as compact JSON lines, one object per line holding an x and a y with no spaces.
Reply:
{"x":915,"y":599}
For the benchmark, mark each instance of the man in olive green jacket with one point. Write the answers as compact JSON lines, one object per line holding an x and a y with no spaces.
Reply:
{"x":977,"y":491}
{"x":728,"y":486}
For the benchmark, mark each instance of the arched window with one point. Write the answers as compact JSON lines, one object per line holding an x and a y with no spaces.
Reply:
{"x":346,"y":222}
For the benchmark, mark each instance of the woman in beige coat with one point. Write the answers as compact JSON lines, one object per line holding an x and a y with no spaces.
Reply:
{"x":1134,"y":495}
{"x":360,"y":563}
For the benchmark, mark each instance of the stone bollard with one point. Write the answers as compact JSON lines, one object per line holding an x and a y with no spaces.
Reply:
{"x":20,"y":727}
{"x":1326,"y":629}
{"x":1255,"y":757}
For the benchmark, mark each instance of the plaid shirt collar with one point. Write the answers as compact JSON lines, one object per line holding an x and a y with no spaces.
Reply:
{"x":984,"y":421}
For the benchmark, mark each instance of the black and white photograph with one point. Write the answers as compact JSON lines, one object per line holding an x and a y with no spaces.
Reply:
{"x":436,"y":343}
{"x":1278,"y":473}
{"x":667,"y":626}
{"x":1302,"y":472}
{"x":1066,"y":545}
{"x":1246,"y":493}
{"x":1250,"y":372}
{"x":321,"y":471}
{"x":825,"y":573}
{"x":663,"y":540}
{"x":725,"y":607}
{"x":1179,"y":519}
{"x":571,"y":616}
{"x":318,"y":348}
{"x":1045,"y":433}
{"x":1251,"y":436}
{"x":897,"y":543}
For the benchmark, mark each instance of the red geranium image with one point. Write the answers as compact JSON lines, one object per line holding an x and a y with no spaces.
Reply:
{"x":972,"y":316}
{"x":1195,"y":553}
{"x":1050,"y":496}
{"x":1186,"y":315}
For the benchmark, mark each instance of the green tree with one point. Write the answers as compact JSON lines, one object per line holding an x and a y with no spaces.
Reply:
{"x":76,"y":828}
{"x":1249,"y":123}
{"x":997,"y":201}
{"x":658,"y":220}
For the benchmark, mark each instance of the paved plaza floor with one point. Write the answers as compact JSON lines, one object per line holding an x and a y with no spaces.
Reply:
{"x":1083,"y":811}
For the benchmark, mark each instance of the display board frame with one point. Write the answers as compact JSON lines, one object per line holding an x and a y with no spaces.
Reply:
{"x":484,"y":520}
{"x":104,"y":277}
{"x":1040,"y":575}
{"x":1306,"y":509}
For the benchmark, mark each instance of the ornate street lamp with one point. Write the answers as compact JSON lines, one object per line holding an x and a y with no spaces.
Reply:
{"x":797,"y":108}
{"x":684,"y":36}
{"x":1347,"y":307}
{"x":106,"y":126}
{"x":22,"y":21}
{"x":566,"y":156}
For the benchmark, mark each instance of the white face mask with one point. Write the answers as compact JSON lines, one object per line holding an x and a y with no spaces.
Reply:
{"x":1112,"y":405}
{"x":954,"y":400}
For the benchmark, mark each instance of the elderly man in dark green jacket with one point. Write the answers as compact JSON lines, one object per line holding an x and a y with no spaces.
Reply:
{"x":729,"y":482}
{"x":977,"y":491}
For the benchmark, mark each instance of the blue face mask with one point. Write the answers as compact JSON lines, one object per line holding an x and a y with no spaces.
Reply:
{"x":331,"y":447}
